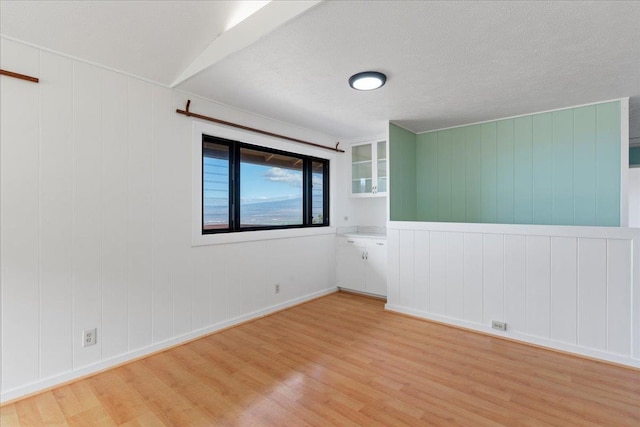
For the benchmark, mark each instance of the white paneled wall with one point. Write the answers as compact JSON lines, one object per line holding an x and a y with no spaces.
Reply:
{"x":96,"y":180}
{"x":634,"y":197}
{"x":570,"y":288}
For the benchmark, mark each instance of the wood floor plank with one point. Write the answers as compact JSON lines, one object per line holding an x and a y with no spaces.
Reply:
{"x":342,"y":360}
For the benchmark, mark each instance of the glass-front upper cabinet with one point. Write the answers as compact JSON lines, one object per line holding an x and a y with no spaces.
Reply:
{"x":369,"y":169}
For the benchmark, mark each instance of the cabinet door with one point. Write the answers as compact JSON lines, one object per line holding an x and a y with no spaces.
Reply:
{"x":381,"y":167}
{"x":351,"y":267}
{"x":376,"y":273}
{"x":361,"y":169}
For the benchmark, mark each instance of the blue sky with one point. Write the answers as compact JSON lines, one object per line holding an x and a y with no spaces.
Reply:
{"x":267,"y":184}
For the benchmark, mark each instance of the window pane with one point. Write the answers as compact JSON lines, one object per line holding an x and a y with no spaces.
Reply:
{"x":317,"y":192}
{"x":361,"y":172}
{"x":270,"y":189}
{"x":215,"y":186}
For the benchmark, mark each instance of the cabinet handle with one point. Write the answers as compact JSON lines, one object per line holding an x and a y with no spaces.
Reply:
{"x":349,"y":241}
{"x":366,"y":255}
{"x":362,"y":255}
{"x":379,"y":244}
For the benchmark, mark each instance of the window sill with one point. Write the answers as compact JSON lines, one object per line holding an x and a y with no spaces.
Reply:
{"x":252,"y":236}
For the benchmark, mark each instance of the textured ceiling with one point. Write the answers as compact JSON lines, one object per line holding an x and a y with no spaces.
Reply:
{"x":448,"y":63}
{"x":155,"y":40}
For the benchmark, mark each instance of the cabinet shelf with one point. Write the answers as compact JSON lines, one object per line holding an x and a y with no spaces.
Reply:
{"x":368,"y":177}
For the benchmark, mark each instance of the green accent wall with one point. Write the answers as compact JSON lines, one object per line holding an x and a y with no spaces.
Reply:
{"x":634,"y":156}
{"x":402,"y":173}
{"x":560,"y":167}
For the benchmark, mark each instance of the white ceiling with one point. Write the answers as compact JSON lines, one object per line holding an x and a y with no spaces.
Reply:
{"x":448,"y":63}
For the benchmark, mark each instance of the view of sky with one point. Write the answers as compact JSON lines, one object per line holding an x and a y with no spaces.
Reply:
{"x":269,"y":184}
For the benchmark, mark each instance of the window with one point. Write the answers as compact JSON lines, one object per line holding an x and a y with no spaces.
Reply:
{"x":247,"y":187}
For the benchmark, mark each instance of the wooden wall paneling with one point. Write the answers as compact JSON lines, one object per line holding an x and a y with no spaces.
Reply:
{"x":493,"y":277}
{"x":562,"y":187}
{"x":505,"y":171}
{"x":402,"y":146}
{"x":205,"y":273}
{"x":472,"y":272}
{"x":324,"y":262}
{"x":542,"y":170}
{"x":619,"y":265}
{"x":444,"y":175}
{"x":564,"y":289}
{"x":164,"y":217}
{"x":295,"y":257}
{"x":115,"y":212}
{"x":584,"y":161}
{"x":608,"y":164}
{"x":56,"y":226}
{"x":173,"y":129}
{"x":458,"y":175}
{"x":634,"y":196}
{"x":523,"y":170}
{"x":473,"y":173}
{"x":140,"y":211}
{"x":216,"y":269}
{"x":515,"y":282}
{"x":455,"y":275}
{"x":393,"y":272}
{"x":87,"y":211}
{"x":180,"y":193}
{"x":421,"y":270}
{"x":592,"y":293}
{"x":20,"y":235}
{"x":488,"y":164}
{"x":407,"y":264}
{"x":438,"y":272}
{"x":427,"y":176}
{"x":635,"y":298}
{"x":538,"y":285}
{"x":292,"y":263}
{"x":246,"y":278}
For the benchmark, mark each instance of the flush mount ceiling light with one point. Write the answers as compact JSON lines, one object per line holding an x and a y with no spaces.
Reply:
{"x":367,"y":80}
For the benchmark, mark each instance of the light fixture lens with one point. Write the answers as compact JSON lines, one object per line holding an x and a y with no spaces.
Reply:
{"x":368,"y":80}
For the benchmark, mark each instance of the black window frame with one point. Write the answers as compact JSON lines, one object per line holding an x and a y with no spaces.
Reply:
{"x":235,"y":148}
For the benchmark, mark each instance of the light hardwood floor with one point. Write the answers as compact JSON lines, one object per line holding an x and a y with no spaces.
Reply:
{"x":342,"y":360}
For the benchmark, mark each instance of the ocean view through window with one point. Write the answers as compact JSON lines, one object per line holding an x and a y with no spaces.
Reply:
{"x":247,"y":187}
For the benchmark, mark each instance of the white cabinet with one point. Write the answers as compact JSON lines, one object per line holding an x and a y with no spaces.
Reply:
{"x":362,"y":264}
{"x":369,"y":169}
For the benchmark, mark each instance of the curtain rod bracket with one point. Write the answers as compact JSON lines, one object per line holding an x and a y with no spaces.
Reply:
{"x":188,"y":113}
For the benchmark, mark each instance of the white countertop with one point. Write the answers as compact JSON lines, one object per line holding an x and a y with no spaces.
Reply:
{"x":365,"y":235}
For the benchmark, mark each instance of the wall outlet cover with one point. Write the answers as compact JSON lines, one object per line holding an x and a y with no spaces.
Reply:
{"x":89,"y":337}
{"x":501,"y":326}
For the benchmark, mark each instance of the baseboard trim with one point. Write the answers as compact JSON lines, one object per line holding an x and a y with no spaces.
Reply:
{"x":23,"y":392}
{"x":539,"y":342}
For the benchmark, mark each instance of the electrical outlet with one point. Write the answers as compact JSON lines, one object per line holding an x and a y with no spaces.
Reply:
{"x":501,"y":326}
{"x":89,"y":337}
{"x":277,"y":288}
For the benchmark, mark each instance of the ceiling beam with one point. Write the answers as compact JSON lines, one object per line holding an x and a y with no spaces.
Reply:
{"x":247,"y":32}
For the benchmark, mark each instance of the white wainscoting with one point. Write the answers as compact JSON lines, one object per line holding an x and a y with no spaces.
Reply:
{"x":96,"y":179}
{"x":575,"y":289}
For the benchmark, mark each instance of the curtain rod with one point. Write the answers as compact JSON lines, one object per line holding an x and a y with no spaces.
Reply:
{"x":188,"y":113}
{"x":19,"y":76}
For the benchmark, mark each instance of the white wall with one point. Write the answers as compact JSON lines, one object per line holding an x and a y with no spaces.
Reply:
{"x":575,"y":289}
{"x":96,"y":214}
{"x":634,"y":197}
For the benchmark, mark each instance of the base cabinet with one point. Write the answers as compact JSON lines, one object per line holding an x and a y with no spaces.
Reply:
{"x":362,"y":264}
